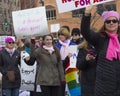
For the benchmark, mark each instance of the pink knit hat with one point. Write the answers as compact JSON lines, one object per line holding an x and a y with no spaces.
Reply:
{"x":9,"y":39}
{"x":108,"y":14}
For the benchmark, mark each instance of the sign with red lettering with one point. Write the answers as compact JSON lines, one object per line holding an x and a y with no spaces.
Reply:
{"x":30,"y":22}
{"x":69,"y":5}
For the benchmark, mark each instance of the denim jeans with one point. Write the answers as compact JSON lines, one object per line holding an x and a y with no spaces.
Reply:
{"x":11,"y":92}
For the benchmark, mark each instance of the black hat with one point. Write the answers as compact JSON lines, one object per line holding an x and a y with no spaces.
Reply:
{"x":75,"y":31}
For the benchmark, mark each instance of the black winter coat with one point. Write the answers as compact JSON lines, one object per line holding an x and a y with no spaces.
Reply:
{"x":107,"y":72}
{"x":87,"y":73}
{"x":10,"y":63}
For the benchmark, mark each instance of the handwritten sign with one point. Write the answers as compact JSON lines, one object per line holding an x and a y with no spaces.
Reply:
{"x":27,"y":83}
{"x":30,"y":22}
{"x":69,"y":5}
{"x":73,"y":49}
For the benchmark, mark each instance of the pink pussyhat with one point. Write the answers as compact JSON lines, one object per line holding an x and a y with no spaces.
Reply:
{"x":9,"y":39}
{"x":108,"y":14}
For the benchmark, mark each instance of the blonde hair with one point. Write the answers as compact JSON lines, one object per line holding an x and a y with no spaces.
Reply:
{"x":65,"y":32}
{"x":83,"y":45}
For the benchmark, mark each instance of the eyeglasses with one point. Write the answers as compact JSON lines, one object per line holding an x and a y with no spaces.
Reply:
{"x":11,"y":42}
{"x":113,"y":21}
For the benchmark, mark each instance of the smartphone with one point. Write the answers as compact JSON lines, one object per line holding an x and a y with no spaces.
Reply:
{"x":92,"y":52}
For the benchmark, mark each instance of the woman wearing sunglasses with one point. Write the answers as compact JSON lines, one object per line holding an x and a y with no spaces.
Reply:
{"x":107,"y":43}
{"x":9,"y":61}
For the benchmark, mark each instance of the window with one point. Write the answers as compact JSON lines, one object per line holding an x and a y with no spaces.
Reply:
{"x":50,"y":12}
{"x":77,"y":13}
{"x":106,"y":7}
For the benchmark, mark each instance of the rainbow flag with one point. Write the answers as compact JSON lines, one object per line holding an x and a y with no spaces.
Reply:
{"x":73,"y":82}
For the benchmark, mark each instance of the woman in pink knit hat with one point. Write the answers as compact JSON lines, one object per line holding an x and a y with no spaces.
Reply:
{"x":107,"y":44}
{"x":9,"y":61}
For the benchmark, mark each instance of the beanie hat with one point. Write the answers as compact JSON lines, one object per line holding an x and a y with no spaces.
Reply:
{"x":9,"y":39}
{"x":75,"y":31}
{"x":108,"y":14}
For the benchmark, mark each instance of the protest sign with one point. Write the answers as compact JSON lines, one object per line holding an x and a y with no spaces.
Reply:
{"x":27,"y":83}
{"x":72,"y":49}
{"x":69,"y":5}
{"x":30,"y":22}
{"x":55,"y":27}
{"x":73,"y":84}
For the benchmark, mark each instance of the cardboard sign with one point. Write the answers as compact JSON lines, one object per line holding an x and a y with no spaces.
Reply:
{"x":69,"y":5}
{"x":27,"y":83}
{"x":30,"y":22}
{"x":73,"y":49}
{"x":55,"y":27}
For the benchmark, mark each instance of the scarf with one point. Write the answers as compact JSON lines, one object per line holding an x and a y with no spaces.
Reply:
{"x":64,"y":49}
{"x":113,"y":50}
{"x":38,"y":44}
{"x":10,"y":51}
{"x":50,"y":49}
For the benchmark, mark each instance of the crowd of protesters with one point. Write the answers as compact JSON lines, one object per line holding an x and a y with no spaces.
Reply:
{"x":97,"y":60}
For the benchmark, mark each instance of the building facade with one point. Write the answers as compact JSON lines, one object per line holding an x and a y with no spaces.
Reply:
{"x":26,"y":4}
{"x":6,"y":8}
{"x":73,"y":18}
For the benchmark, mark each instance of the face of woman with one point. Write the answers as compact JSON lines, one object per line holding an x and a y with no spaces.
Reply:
{"x":48,"y":41}
{"x":40,"y":40}
{"x":111,"y":24}
{"x":10,"y":45}
{"x":62,"y":37}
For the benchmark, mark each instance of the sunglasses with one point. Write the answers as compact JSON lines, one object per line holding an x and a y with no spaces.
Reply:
{"x":11,"y":42}
{"x":113,"y":21}
{"x":75,"y":34}
{"x":60,"y":33}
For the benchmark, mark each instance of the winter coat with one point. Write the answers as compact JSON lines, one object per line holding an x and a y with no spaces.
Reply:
{"x":10,"y":63}
{"x":87,"y":73}
{"x":107,"y":72}
{"x":51,"y":71}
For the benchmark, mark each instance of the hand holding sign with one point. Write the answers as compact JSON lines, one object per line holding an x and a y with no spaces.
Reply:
{"x":88,"y":9}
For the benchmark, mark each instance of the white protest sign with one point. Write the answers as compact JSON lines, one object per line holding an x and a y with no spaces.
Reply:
{"x":69,"y":5}
{"x":30,"y":22}
{"x":24,"y":93}
{"x":55,"y":27}
{"x":74,"y":50}
{"x":28,"y":74}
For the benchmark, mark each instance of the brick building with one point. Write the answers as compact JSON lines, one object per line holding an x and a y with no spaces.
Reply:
{"x":73,"y":18}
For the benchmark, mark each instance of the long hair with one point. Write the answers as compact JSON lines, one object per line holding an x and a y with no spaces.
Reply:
{"x":83,"y":45}
{"x":57,"y":52}
{"x":103,"y":34}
